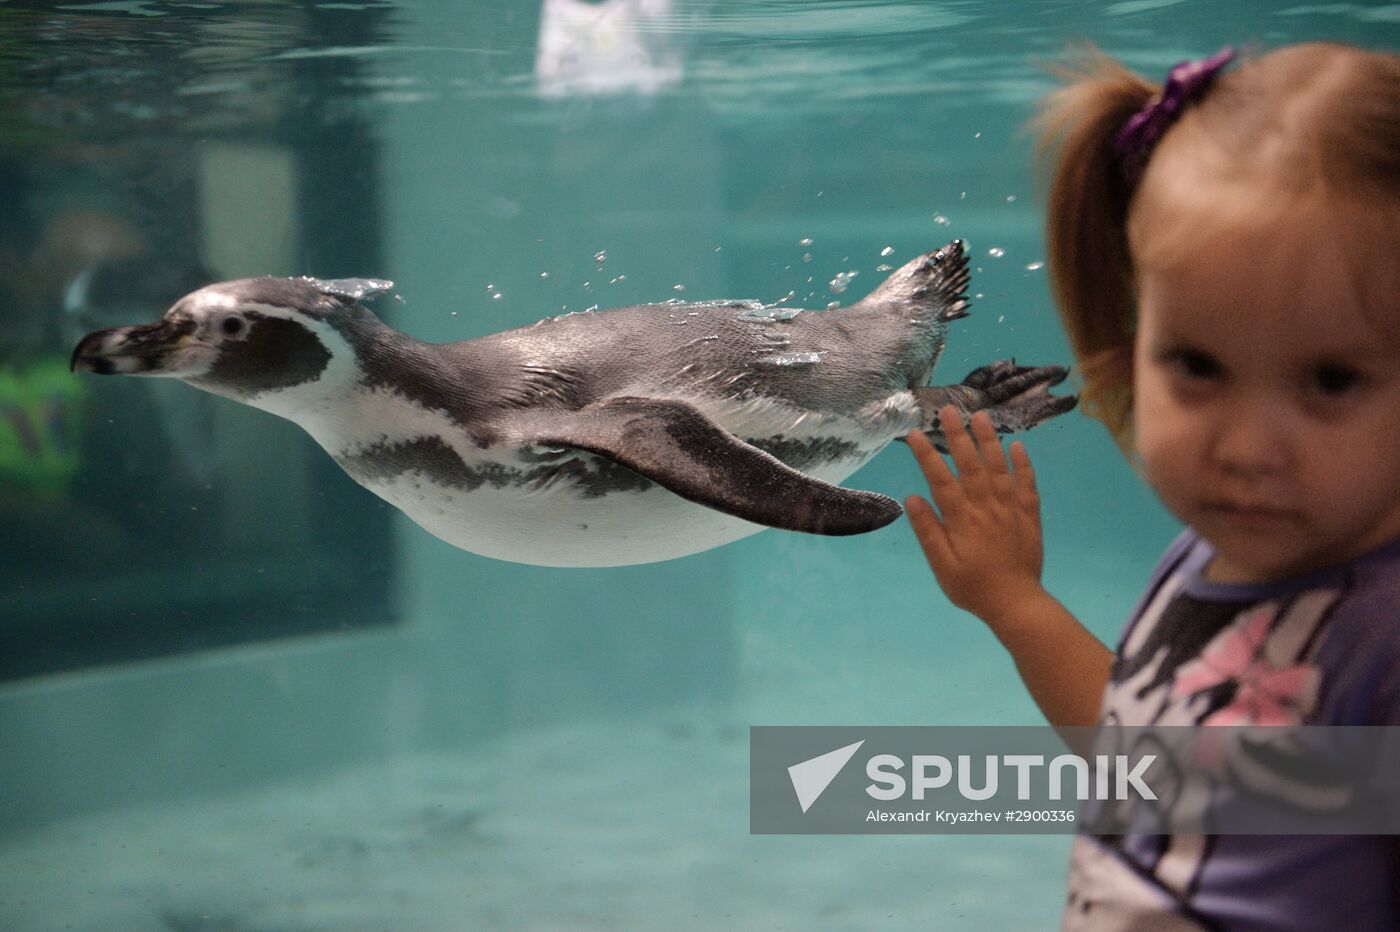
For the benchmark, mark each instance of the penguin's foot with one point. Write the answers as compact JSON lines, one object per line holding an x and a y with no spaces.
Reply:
{"x":1016,"y":397}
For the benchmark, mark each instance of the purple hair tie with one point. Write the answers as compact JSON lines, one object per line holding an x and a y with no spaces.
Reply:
{"x":1140,"y":135}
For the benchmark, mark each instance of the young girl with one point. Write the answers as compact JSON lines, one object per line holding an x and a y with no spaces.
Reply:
{"x":1225,"y":254}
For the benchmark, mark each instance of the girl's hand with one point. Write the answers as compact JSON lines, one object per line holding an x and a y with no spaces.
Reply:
{"x":984,"y":541}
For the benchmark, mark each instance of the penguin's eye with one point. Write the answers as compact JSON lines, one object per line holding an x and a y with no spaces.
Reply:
{"x":232,"y":325}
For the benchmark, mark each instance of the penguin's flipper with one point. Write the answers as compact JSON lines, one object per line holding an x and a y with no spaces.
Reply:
{"x":680,"y":449}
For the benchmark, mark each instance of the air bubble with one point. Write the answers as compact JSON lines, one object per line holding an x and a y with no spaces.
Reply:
{"x":996,"y":252}
{"x":842,"y":281}
{"x":1035,"y":266}
{"x":888,"y":250}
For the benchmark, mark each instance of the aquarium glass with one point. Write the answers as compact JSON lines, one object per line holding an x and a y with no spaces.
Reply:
{"x":240,"y":692}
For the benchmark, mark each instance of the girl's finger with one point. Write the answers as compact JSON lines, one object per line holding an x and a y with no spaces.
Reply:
{"x":930,"y":462}
{"x":990,"y":448}
{"x":929,"y":530}
{"x":1024,"y":477}
{"x":923,"y":449}
{"x":963,"y":449}
{"x":942,"y":484}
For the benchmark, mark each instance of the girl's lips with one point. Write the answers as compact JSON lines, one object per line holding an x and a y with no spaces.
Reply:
{"x":1246,"y":511}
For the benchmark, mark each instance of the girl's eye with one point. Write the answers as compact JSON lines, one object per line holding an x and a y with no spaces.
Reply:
{"x":1195,"y":364}
{"x":1335,"y":380}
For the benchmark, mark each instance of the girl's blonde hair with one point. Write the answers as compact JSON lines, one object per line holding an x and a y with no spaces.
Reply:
{"x":1312,"y":121}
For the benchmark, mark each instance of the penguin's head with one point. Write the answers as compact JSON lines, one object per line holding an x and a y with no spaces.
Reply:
{"x":250,"y":339}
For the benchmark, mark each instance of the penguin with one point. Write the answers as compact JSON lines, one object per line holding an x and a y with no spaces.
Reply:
{"x":601,"y":438}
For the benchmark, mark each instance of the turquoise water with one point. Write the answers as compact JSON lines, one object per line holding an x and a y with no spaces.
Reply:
{"x":243,"y":695}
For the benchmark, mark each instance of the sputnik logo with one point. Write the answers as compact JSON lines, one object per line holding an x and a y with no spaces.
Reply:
{"x":811,"y":777}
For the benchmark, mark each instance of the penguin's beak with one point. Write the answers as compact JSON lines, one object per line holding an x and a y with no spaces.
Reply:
{"x":164,"y":348}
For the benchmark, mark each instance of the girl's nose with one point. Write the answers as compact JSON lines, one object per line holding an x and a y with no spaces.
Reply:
{"x":1250,"y":440}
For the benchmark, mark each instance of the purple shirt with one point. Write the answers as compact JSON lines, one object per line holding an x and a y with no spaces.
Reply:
{"x":1318,"y":649}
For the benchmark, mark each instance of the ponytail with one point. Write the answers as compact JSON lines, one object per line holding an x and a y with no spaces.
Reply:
{"x":1091,"y":273}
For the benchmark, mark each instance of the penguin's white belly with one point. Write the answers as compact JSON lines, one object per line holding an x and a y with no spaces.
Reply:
{"x":564,"y":525}
{"x":570,"y":507}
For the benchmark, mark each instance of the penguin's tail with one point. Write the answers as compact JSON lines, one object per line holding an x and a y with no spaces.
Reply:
{"x":931,"y":287}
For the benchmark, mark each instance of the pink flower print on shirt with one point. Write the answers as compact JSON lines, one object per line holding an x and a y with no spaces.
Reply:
{"x":1265,"y":693}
